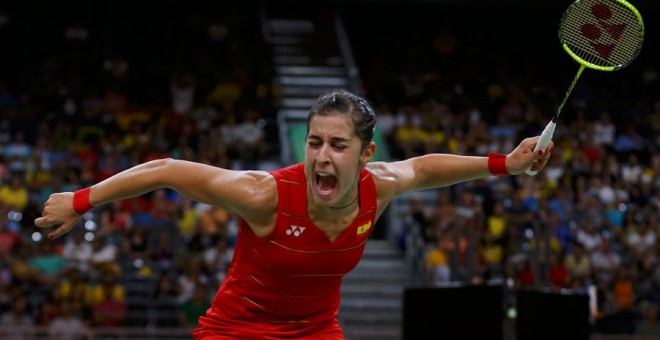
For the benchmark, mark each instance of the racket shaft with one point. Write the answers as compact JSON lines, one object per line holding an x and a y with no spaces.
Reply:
{"x":546,"y":137}
{"x":568,"y":93}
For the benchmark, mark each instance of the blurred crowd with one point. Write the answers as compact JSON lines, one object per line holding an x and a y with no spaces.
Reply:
{"x":588,"y":222}
{"x":86,"y":110}
{"x":198,"y":88}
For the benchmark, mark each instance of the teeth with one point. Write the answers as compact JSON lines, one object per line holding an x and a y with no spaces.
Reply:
{"x":324,"y":174}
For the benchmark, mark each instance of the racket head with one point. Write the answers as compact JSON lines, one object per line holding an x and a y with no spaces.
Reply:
{"x":604,"y":35}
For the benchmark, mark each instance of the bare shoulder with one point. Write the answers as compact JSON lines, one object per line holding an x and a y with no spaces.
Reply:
{"x":382,"y":170}
{"x":259,"y":201}
{"x":394,"y":178}
{"x":386,"y":178}
{"x":260,"y":190}
{"x":260,"y":177}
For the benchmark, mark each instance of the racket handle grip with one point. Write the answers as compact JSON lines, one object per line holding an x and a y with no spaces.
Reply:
{"x":546,"y":137}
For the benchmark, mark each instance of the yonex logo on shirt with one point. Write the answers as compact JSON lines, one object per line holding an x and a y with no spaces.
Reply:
{"x":295,"y":230}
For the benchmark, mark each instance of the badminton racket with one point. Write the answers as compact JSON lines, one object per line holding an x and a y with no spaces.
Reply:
{"x":603,"y":35}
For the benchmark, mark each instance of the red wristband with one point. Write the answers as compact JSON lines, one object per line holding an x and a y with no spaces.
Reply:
{"x":497,"y":164}
{"x":81,"y":201}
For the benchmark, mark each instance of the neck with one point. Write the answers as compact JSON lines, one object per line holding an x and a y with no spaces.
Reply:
{"x":332,"y":213}
{"x":347,"y":205}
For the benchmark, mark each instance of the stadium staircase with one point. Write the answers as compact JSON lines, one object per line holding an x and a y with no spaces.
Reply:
{"x":312,"y":57}
{"x":309,"y":60}
{"x":372,"y":294}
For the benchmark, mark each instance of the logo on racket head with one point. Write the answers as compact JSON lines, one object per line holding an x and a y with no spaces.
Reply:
{"x":602,"y":13}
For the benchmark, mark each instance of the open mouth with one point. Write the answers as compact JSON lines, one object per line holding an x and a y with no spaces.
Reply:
{"x":325,"y":183}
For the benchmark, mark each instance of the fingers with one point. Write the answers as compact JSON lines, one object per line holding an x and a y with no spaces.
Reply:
{"x":63,"y":229}
{"x":530,"y":142}
{"x":45,"y":222}
{"x":542,"y":157}
{"x":42,"y":222}
{"x":534,"y":139}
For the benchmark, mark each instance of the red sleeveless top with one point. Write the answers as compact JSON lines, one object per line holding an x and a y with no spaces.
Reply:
{"x":286,"y":285}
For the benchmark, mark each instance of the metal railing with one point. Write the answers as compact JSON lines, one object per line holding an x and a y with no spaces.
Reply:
{"x":91,"y":333}
{"x":352,"y":71}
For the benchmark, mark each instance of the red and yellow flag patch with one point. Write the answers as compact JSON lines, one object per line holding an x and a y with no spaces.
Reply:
{"x":363,"y":228}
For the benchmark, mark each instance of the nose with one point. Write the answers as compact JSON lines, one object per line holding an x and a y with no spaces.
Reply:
{"x":323,"y":156}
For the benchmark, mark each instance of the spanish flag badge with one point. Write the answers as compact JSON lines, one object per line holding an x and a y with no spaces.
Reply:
{"x":363,"y":228}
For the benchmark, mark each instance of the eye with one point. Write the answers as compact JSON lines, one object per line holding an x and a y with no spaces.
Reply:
{"x":339,"y":147}
{"x":313,"y":144}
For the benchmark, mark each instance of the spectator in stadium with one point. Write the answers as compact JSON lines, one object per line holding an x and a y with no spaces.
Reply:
{"x":9,"y":239}
{"x":136,"y":243}
{"x":187,"y":217}
{"x":578,"y":263}
{"x":104,"y":256}
{"x":629,"y":142}
{"x":195,"y":306}
{"x":77,"y":251}
{"x":588,"y":235}
{"x":250,"y":139}
{"x":218,"y":258}
{"x":17,"y":152}
{"x":436,"y":261}
{"x":19,"y":263}
{"x":114,"y":219}
{"x":110,"y":310}
{"x":75,"y":289}
{"x":293,"y":218}
{"x":109,"y":293}
{"x":19,"y":319}
{"x":14,"y":194}
{"x":641,"y":237}
{"x":193,"y":276}
{"x":66,"y":326}
{"x":166,"y":289}
{"x":605,"y":262}
{"x":49,"y":309}
{"x":182,"y":88}
{"x":162,"y":252}
{"x":48,"y":265}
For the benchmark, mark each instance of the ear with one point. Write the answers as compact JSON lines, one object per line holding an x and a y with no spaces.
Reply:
{"x":368,"y":152}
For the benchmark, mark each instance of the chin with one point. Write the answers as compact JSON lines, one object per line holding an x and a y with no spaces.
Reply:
{"x":324,"y":201}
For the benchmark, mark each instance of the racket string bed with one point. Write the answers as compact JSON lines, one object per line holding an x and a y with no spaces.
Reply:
{"x":603,"y":33}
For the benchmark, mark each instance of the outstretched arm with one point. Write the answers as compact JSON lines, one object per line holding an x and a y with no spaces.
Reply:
{"x":247,"y":193}
{"x":437,"y":170}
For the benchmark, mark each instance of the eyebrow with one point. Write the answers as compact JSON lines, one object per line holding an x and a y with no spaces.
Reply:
{"x":333,"y":139}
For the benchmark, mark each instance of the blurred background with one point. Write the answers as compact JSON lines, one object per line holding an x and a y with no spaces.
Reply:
{"x":90,"y":88}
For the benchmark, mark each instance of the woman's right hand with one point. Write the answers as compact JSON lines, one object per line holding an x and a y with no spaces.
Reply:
{"x":58,"y":210}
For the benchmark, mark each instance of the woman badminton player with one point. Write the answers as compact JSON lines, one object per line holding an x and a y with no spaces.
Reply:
{"x":302,"y":227}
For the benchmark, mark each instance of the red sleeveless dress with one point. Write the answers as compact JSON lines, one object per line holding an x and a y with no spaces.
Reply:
{"x":286,"y":285}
